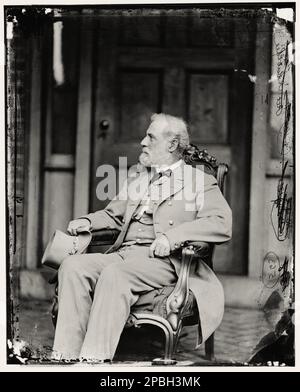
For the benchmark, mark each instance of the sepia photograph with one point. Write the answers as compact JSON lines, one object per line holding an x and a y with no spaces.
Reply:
{"x":150,"y":197}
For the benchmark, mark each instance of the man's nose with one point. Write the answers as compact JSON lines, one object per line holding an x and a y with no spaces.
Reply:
{"x":144,"y":142}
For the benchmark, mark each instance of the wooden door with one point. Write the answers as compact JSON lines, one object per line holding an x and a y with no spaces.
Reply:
{"x":189,"y":65}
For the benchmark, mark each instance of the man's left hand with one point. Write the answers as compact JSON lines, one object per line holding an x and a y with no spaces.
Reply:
{"x":160,"y":247}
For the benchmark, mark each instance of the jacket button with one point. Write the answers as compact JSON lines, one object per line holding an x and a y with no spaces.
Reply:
{"x":171,"y":222}
{"x":123,"y":220}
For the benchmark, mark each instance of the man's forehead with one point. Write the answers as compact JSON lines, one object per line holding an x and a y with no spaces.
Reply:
{"x":158,"y":125}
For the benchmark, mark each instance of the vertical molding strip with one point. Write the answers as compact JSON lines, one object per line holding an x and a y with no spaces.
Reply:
{"x":84,"y":122}
{"x":34,"y":160}
{"x":260,"y":150}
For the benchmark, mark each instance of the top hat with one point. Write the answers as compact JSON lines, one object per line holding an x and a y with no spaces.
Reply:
{"x":62,"y":245}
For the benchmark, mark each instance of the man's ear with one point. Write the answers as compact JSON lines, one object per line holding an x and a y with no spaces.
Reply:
{"x":173,"y":145}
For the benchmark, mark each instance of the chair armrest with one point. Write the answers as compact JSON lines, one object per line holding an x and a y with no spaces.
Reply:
{"x":104,"y":237}
{"x":178,"y":298}
{"x":201,"y":248}
{"x":203,"y":251}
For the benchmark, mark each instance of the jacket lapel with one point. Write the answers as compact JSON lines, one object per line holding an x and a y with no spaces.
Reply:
{"x":136,"y":191}
{"x":171,"y":185}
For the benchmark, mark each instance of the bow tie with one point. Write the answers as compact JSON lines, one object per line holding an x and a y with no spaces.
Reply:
{"x":158,"y":175}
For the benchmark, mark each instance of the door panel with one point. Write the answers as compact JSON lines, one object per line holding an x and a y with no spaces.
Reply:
{"x":208,"y":107}
{"x":139,"y":98}
{"x":188,"y":66}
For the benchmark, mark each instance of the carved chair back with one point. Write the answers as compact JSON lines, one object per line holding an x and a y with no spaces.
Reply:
{"x":201,"y":158}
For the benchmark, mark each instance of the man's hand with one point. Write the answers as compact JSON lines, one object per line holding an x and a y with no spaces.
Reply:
{"x":78,"y":225}
{"x":160,"y":247}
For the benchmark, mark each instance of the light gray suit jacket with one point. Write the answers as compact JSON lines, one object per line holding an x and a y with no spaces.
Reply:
{"x":190,"y":207}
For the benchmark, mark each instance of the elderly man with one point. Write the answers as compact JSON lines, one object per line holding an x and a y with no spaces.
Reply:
{"x":96,"y":291}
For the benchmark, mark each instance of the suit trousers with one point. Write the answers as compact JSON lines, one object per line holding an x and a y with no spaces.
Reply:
{"x":95,"y":294}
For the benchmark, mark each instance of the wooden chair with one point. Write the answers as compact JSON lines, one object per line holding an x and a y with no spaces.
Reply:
{"x":172,"y":307}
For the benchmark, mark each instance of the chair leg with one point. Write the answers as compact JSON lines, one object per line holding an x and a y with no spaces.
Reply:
{"x":209,"y":348}
{"x":170,"y":344}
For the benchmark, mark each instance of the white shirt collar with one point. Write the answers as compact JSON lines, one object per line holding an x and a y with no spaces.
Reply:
{"x":171,"y":167}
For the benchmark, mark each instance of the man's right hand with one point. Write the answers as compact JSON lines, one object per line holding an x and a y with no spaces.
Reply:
{"x":78,"y":225}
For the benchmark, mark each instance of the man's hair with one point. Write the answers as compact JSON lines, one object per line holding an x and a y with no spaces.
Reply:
{"x":176,"y":128}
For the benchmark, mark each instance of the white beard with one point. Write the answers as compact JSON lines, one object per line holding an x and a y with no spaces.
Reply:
{"x":144,"y":159}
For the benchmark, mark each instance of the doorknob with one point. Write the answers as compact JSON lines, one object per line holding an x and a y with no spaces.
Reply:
{"x":103,"y":128}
